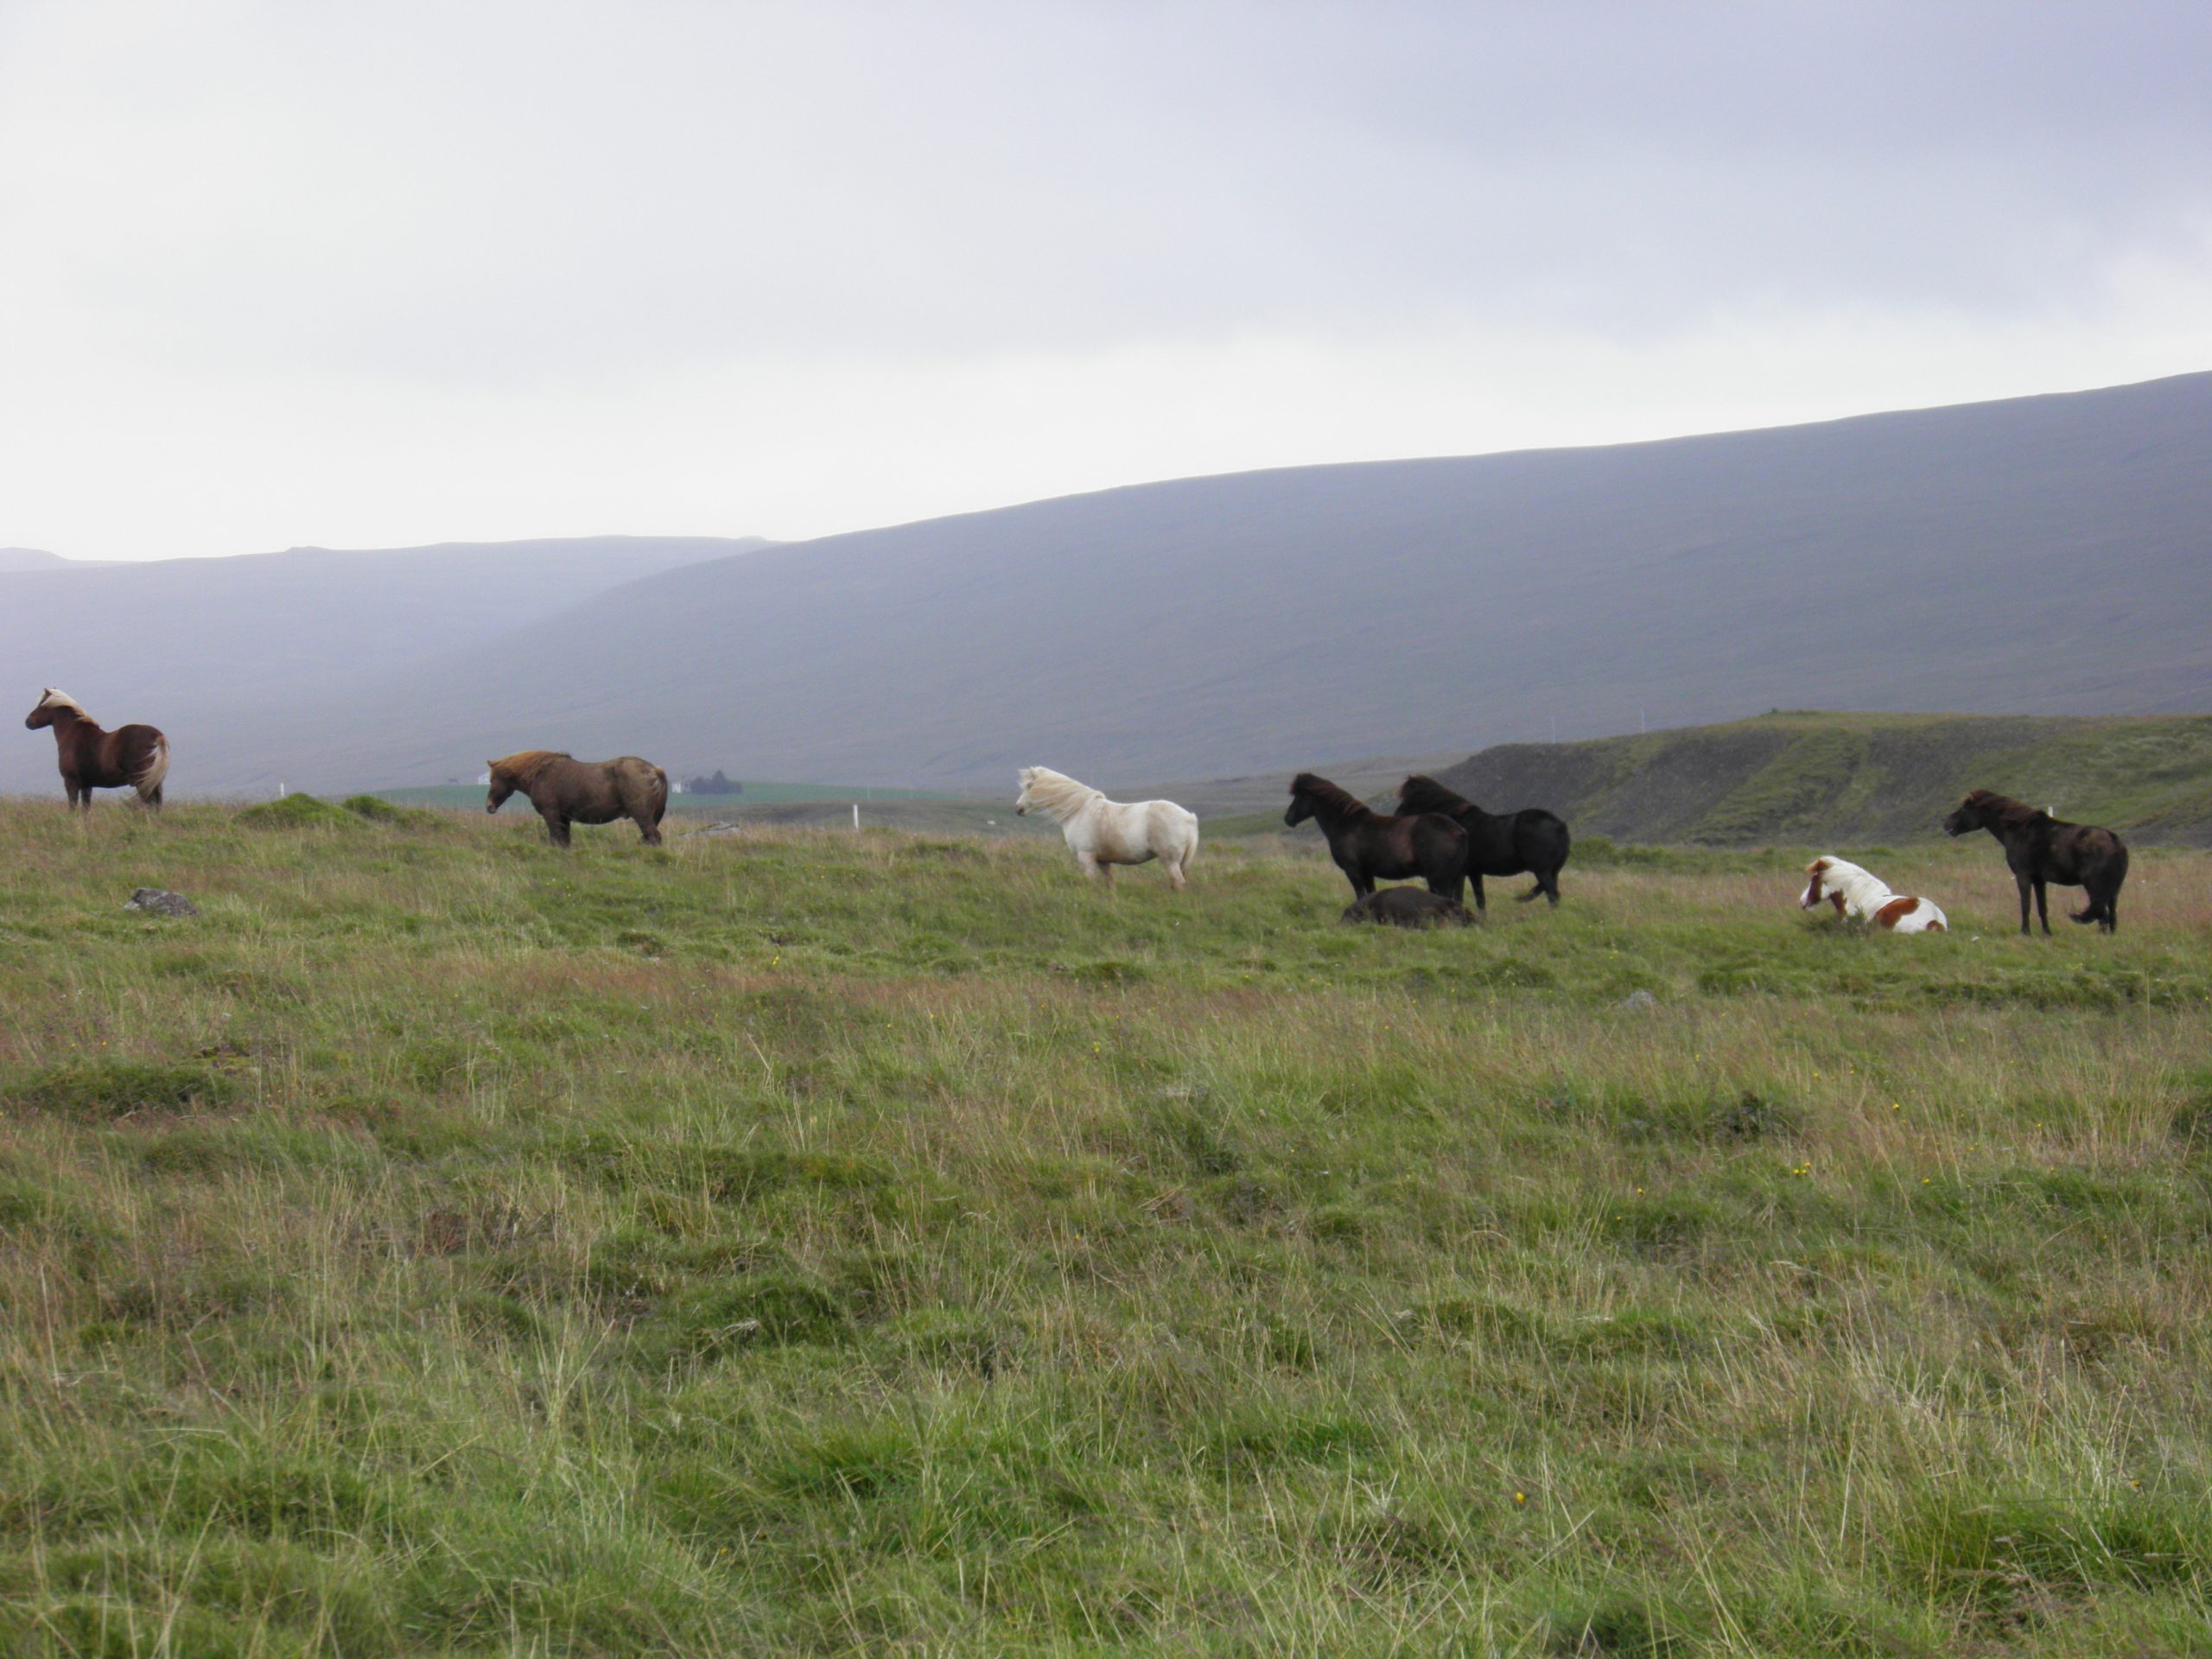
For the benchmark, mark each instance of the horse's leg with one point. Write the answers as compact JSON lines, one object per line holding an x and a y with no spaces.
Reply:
{"x":69,"y":783}
{"x":1174,"y":873}
{"x":2112,"y":911}
{"x":1475,"y":880}
{"x":1087,"y":863}
{"x":2042,"y":905}
{"x":2024,"y":900}
{"x":649,"y":828}
{"x":557,"y":829}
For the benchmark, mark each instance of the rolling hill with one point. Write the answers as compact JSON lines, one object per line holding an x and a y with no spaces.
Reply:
{"x":2040,"y":556}
{"x":1844,"y":779}
{"x":203,"y":646}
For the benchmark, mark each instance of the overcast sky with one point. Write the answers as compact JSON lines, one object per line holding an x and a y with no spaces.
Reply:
{"x":387,"y":273}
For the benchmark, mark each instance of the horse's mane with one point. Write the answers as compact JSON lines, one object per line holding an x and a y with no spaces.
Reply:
{"x":1421,"y":793}
{"x":525,"y":766}
{"x":59,"y":699}
{"x":1056,"y":794}
{"x":1842,"y":875}
{"x":1339,"y":800}
{"x":2004,"y":809}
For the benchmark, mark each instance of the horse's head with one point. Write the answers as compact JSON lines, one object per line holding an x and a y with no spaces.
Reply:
{"x":1023,"y":803}
{"x":503,"y":784}
{"x":1971,"y":814}
{"x":52,"y":705}
{"x":1817,"y":889}
{"x":1307,"y":792}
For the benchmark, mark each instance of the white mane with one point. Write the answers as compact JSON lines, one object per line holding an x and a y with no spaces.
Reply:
{"x":59,"y":699}
{"x":1861,"y":889}
{"x":1055,"y":794}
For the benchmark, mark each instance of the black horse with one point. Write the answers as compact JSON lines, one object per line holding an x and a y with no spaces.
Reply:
{"x":2039,"y":847}
{"x":1365,"y":844}
{"x":1531,"y":841}
{"x":1409,"y":908}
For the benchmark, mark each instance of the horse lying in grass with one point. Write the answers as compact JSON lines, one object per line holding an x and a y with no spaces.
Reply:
{"x":1859,"y":895}
{"x":567,"y":790}
{"x":1366,"y":845}
{"x":1409,"y":908}
{"x":2039,"y":849}
{"x":1103,"y":833}
{"x":129,"y":757}
{"x":1531,"y":841}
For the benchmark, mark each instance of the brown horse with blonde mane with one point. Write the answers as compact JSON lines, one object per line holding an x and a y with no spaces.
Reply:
{"x":129,"y":757}
{"x":1365,"y":844}
{"x":2039,"y":847}
{"x":567,"y":790}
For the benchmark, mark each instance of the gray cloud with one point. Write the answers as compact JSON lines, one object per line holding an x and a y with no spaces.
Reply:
{"x":429,"y":200}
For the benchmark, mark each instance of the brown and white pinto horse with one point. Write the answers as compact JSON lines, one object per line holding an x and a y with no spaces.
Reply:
{"x":131,"y":756}
{"x":1859,"y":895}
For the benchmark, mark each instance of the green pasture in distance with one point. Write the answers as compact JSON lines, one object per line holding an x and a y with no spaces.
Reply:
{"x":756,"y":794}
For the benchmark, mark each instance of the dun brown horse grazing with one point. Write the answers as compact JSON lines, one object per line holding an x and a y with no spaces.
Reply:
{"x":1499,"y":843}
{"x":2039,"y":847}
{"x":566,"y":791}
{"x":1366,"y":845}
{"x":131,"y":756}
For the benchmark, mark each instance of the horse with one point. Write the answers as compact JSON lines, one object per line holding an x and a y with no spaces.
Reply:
{"x":1531,"y":841}
{"x":1365,"y":844}
{"x":129,"y":757}
{"x":1103,"y":833}
{"x":2039,"y":847}
{"x":1860,"y":896}
{"x":1409,"y":908}
{"x":567,"y":790}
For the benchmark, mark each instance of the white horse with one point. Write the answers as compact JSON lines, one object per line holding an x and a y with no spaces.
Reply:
{"x":1861,"y":896}
{"x":1103,"y":833}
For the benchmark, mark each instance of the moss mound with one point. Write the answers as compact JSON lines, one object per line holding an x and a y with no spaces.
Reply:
{"x":297,"y":812}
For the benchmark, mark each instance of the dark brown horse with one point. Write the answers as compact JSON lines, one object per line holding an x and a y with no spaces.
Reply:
{"x":1367,"y":845}
{"x":1531,"y":841}
{"x":1409,"y":908}
{"x":2039,"y":847}
{"x":131,"y":756}
{"x":566,"y":791}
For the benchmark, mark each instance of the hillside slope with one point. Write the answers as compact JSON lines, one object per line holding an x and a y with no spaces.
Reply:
{"x":2040,"y":556}
{"x":1840,"y":778}
{"x":199,"y":646}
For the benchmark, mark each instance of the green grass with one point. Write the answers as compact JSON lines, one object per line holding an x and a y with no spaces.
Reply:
{"x":812,"y":1243}
{"x":463,"y":797}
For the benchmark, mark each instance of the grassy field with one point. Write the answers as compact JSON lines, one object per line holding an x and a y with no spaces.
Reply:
{"x":462,"y":798}
{"x":810,"y":1243}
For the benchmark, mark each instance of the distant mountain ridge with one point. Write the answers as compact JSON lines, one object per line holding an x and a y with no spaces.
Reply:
{"x":210,"y":649}
{"x":1838,"y":779}
{"x":2038,"y":556}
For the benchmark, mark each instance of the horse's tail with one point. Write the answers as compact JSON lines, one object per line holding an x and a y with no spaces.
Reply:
{"x":148,"y":783}
{"x":660,"y":796}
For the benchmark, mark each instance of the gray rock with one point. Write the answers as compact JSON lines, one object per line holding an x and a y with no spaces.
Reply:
{"x":1639,"y":1003}
{"x":156,"y":902}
